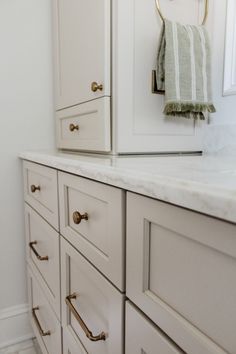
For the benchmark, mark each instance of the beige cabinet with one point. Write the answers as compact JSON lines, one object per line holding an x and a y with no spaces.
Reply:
{"x":82,"y":58}
{"x":42,"y":250}
{"x":180,"y":271}
{"x":71,"y":345}
{"x":104,"y":55}
{"x":44,"y":322}
{"x":100,"y":235}
{"x":141,"y":336}
{"x":85,"y":125}
{"x":82,"y":50}
{"x":91,"y":307}
{"x":40,"y":191}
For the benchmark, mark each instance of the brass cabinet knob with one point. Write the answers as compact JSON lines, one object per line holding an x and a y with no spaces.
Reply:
{"x":73,"y":127}
{"x":34,"y":188}
{"x":77,"y":217}
{"x":95,"y":87}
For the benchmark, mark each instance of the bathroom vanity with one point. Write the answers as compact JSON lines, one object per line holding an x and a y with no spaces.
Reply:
{"x":131,"y":255}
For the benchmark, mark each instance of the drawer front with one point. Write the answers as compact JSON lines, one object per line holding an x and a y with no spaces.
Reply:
{"x":85,"y":127}
{"x":181,"y":270}
{"x":44,"y":322}
{"x":143,"y":337}
{"x":42,"y":243}
{"x":40,"y":191}
{"x":71,"y":344}
{"x":89,"y":300}
{"x":100,"y":238}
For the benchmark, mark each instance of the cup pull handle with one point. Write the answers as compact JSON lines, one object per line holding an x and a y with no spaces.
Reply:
{"x":88,"y":333}
{"x":38,"y":325}
{"x":31,"y":246}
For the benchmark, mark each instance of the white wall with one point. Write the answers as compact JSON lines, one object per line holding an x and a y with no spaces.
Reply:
{"x":26,"y":116}
{"x":225,"y":105}
{"x":220,"y":135}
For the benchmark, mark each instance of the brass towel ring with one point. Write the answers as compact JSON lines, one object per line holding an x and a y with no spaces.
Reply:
{"x":204,"y":18}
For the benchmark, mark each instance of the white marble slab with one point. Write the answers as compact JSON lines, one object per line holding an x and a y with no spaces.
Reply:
{"x":206,"y":184}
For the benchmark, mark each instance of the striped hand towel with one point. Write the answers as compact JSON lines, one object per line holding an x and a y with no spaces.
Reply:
{"x":184,"y":70}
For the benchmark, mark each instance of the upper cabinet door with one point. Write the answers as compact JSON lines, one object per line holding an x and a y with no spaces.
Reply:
{"x":82,"y":50}
{"x":141,"y":125}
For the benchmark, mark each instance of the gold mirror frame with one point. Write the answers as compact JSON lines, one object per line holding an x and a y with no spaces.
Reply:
{"x":204,"y":18}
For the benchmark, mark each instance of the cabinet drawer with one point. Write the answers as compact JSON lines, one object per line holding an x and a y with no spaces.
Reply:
{"x":181,"y":270}
{"x":44,"y":322}
{"x":42,"y":243}
{"x":71,"y":344}
{"x":40,"y":190}
{"x":85,"y":127}
{"x":101,"y":237}
{"x":86,"y":293}
{"x":143,"y":337}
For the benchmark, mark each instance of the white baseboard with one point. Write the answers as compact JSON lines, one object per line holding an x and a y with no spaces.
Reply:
{"x":14,"y":325}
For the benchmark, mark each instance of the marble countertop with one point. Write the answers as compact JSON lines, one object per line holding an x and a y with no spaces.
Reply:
{"x":206,"y":184}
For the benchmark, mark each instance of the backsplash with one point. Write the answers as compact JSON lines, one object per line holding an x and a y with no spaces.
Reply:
{"x":220,"y":138}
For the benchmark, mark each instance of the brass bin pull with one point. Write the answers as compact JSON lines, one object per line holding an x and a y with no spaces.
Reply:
{"x":31,"y":246}
{"x":77,"y":217}
{"x":73,"y":127}
{"x":88,"y":333}
{"x":41,"y":331}
{"x":34,"y":188}
{"x":95,"y":87}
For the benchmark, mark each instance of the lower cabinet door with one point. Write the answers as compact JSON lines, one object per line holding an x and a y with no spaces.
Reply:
{"x":45,"y":325}
{"x":92,"y":308}
{"x":180,"y":271}
{"x":142,"y":337}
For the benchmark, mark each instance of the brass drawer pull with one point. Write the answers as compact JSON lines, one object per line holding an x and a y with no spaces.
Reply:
{"x":41,"y":331}
{"x":34,"y":188}
{"x":95,"y":87}
{"x":88,"y":333}
{"x":73,"y":127}
{"x":31,"y":245}
{"x":77,"y":217}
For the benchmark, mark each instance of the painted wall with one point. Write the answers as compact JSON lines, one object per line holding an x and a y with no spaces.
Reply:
{"x":26,"y":122}
{"x":220,"y":135}
{"x":225,"y":105}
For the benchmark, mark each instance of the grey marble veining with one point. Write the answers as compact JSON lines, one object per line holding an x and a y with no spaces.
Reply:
{"x":206,"y":184}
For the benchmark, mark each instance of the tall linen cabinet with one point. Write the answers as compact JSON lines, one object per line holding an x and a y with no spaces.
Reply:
{"x":104,"y":54}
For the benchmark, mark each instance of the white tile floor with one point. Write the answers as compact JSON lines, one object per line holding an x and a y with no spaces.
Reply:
{"x":28,"y":347}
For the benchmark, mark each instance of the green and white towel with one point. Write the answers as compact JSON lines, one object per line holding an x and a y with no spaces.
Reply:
{"x":184,"y":70}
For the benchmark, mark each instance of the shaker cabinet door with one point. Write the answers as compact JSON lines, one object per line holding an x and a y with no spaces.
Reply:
{"x":180,"y":271}
{"x":142,"y":337}
{"x":92,"y":308}
{"x":82,"y":50}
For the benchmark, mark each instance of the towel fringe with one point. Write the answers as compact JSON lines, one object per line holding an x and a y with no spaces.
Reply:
{"x":188,"y":110}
